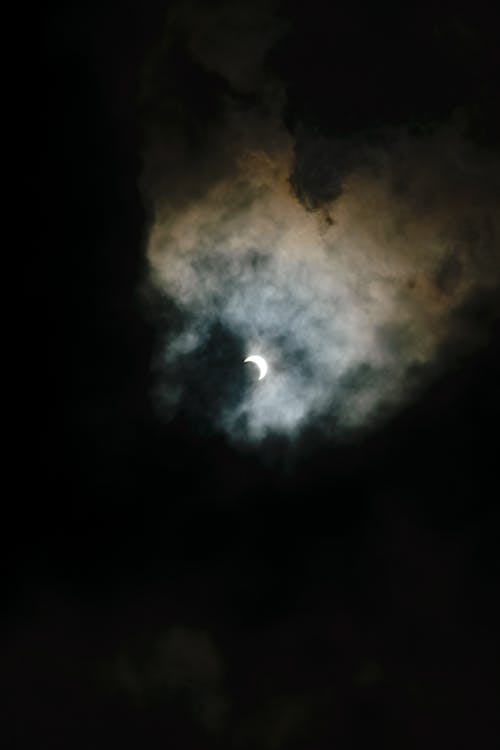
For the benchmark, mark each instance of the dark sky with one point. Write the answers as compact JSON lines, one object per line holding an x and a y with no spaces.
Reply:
{"x":167,"y":585}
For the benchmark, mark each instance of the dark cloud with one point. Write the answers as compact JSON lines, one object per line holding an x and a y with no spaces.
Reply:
{"x":319,"y":169}
{"x":181,"y":664}
{"x":352,"y":68}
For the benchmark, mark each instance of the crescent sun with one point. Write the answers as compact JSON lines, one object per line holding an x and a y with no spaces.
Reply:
{"x":260,"y":362}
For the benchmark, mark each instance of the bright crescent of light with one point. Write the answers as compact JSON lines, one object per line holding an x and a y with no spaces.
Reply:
{"x":260,"y":362}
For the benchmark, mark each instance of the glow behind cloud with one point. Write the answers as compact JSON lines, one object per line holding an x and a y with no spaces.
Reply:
{"x":354,"y":269}
{"x":350,"y":303}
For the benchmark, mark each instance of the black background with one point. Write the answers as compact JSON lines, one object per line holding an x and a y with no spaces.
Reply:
{"x":310,"y":572}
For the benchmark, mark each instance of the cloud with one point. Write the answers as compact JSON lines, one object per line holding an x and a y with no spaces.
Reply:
{"x":276,"y":723}
{"x":346,"y":264}
{"x":182,"y":663}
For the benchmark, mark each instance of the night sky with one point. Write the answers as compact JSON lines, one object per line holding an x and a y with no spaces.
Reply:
{"x":194,"y":558}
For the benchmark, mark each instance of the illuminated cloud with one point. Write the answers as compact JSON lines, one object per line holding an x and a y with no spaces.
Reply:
{"x":344,"y":265}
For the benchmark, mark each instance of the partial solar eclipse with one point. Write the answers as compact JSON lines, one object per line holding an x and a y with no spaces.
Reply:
{"x":261,"y":364}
